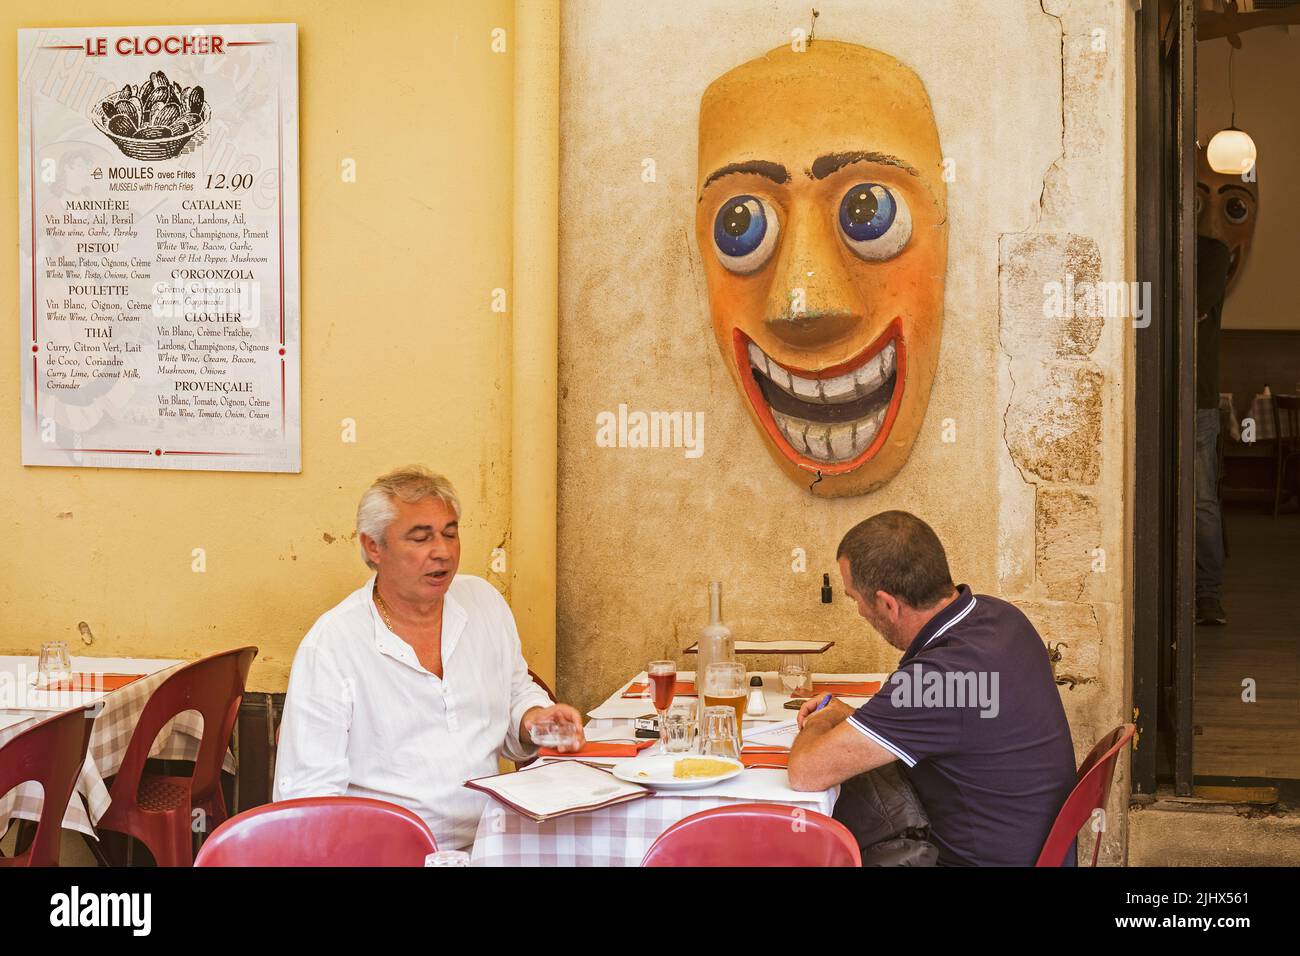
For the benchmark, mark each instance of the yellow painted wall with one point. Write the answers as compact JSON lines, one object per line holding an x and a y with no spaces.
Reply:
{"x":397,"y":274}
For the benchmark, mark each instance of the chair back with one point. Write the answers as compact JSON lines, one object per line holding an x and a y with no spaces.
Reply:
{"x":543,"y":685}
{"x":755,"y":834}
{"x":213,"y":686}
{"x":1286,"y":421}
{"x":320,"y":831}
{"x":1089,"y":794}
{"x":51,"y":753}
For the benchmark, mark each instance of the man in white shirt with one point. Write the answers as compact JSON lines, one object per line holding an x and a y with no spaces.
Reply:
{"x":415,"y":682}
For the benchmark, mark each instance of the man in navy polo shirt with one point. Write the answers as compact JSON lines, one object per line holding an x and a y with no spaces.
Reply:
{"x":972,"y":711}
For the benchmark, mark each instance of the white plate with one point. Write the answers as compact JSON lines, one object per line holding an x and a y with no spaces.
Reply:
{"x":657,"y":772}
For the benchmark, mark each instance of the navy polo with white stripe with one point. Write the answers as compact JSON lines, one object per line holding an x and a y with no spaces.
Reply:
{"x":974,"y":715}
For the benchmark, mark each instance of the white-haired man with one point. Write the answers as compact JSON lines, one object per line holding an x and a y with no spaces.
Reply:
{"x":415,"y":682}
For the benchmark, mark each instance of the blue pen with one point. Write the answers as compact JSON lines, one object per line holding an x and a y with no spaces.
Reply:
{"x":825,"y":700}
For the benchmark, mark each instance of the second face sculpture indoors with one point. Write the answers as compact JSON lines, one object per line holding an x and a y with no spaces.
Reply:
{"x":822,"y":223}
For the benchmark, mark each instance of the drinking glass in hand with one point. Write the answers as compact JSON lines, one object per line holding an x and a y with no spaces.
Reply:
{"x":663,"y":679}
{"x":721,"y":736}
{"x":724,"y":684}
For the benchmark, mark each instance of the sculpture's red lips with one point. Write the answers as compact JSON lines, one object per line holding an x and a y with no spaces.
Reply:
{"x":832,"y":420}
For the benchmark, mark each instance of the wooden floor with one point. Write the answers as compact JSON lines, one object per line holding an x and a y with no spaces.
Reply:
{"x":1261,"y":641}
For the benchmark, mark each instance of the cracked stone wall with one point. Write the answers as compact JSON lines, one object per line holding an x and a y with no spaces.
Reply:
{"x":1020,"y":461}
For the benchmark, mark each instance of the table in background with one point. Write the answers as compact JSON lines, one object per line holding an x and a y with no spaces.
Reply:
{"x":118,"y":714}
{"x":620,"y":835}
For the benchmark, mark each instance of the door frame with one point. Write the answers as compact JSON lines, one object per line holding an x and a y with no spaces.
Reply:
{"x":1164,"y":567}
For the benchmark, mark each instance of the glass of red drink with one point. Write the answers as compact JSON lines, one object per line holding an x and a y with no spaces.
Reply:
{"x":663,"y":681}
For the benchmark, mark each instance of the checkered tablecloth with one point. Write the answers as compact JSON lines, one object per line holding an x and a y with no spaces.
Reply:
{"x":620,"y":835}
{"x":115,"y":721}
{"x":1261,"y":410}
{"x":615,"y":836}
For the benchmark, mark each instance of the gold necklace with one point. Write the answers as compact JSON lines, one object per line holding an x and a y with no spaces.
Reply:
{"x":383,"y":609}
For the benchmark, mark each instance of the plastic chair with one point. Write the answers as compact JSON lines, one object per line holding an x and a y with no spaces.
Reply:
{"x":544,"y":686}
{"x":320,"y":831}
{"x":157,"y":809}
{"x":1089,"y":794}
{"x":755,"y":834}
{"x":51,"y":753}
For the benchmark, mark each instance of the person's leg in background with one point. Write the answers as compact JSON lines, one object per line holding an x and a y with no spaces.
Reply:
{"x":1209,"y":521}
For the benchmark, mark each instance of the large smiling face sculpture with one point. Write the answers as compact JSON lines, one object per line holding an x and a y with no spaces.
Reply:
{"x":822,"y":222}
{"x":1226,"y":207}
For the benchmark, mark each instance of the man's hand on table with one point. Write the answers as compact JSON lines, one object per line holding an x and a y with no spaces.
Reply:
{"x":556,"y":713}
{"x":833,"y":713}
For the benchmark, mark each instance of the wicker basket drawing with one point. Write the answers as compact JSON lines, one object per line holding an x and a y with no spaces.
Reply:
{"x":166,"y":147}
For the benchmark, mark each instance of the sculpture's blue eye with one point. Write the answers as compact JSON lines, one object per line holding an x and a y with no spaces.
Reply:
{"x":875,"y":223}
{"x":744,"y":233}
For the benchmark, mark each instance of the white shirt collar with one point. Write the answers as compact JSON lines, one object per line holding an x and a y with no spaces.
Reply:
{"x":391,"y":645}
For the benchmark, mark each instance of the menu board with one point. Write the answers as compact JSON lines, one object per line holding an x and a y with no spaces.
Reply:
{"x":158,"y":247}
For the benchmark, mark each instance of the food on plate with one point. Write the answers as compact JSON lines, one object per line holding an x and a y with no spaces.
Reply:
{"x":691,"y":768}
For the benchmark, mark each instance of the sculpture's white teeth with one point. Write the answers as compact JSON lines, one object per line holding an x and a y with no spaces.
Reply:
{"x":864,"y":380}
{"x":831,"y":442}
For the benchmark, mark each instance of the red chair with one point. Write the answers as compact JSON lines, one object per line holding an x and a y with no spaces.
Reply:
{"x":158,"y":810}
{"x":1089,"y":794}
{"x":320,"y":831}
{"x":51,"y":753}
{"x":544,"y":686}
{"x":755,"y":834}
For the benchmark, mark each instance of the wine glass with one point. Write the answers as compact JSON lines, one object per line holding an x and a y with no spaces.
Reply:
{"x":663,"y":681}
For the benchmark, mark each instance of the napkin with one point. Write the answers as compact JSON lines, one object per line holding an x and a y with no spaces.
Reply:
{"x":89,"y":682}
{"x":681,"y":688}
{"x":599,"y":749}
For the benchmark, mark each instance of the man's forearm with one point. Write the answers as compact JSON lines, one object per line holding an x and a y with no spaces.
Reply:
{"x":813,"y":730}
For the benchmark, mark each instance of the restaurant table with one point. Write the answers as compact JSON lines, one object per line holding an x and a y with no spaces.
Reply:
{"x":22,"y":706}
{"x":620,"y":835}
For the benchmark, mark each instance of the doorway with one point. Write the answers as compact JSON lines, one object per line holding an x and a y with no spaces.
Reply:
{"x":1216,"y":652}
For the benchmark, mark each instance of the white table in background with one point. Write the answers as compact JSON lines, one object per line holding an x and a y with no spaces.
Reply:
{"x":22,"y":706}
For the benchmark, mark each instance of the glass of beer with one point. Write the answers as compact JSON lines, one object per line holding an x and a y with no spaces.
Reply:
{"x":724,"y":685}
{"x":663,"y":680}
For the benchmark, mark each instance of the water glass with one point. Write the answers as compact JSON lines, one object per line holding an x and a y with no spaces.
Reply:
{"x":54,"y":664}
{"x":796,"y":676}
{"x":721,"y":733}
{"x":555,"y":734}
{"x":678,"y":729}
{"x":447,"y":858}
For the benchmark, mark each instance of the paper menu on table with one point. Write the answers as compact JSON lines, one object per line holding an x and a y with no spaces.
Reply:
{"x":555,"y":789}
{"x":772,"y":735}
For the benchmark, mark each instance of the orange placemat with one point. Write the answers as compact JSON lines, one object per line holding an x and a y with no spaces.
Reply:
{"x":864,"y":688}
{"x":770,"y":757}
{"x":598,"y":749}
{"x":682,"y":688}
{"x":82,"y":682}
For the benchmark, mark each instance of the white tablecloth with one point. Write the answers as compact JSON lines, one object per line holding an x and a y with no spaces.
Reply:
{"x":621,"y":835}
{"x":114,"y":724}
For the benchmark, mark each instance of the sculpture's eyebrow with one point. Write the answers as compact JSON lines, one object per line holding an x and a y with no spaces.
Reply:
{"x":760,"y":167}
{"x":823,"y":166}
